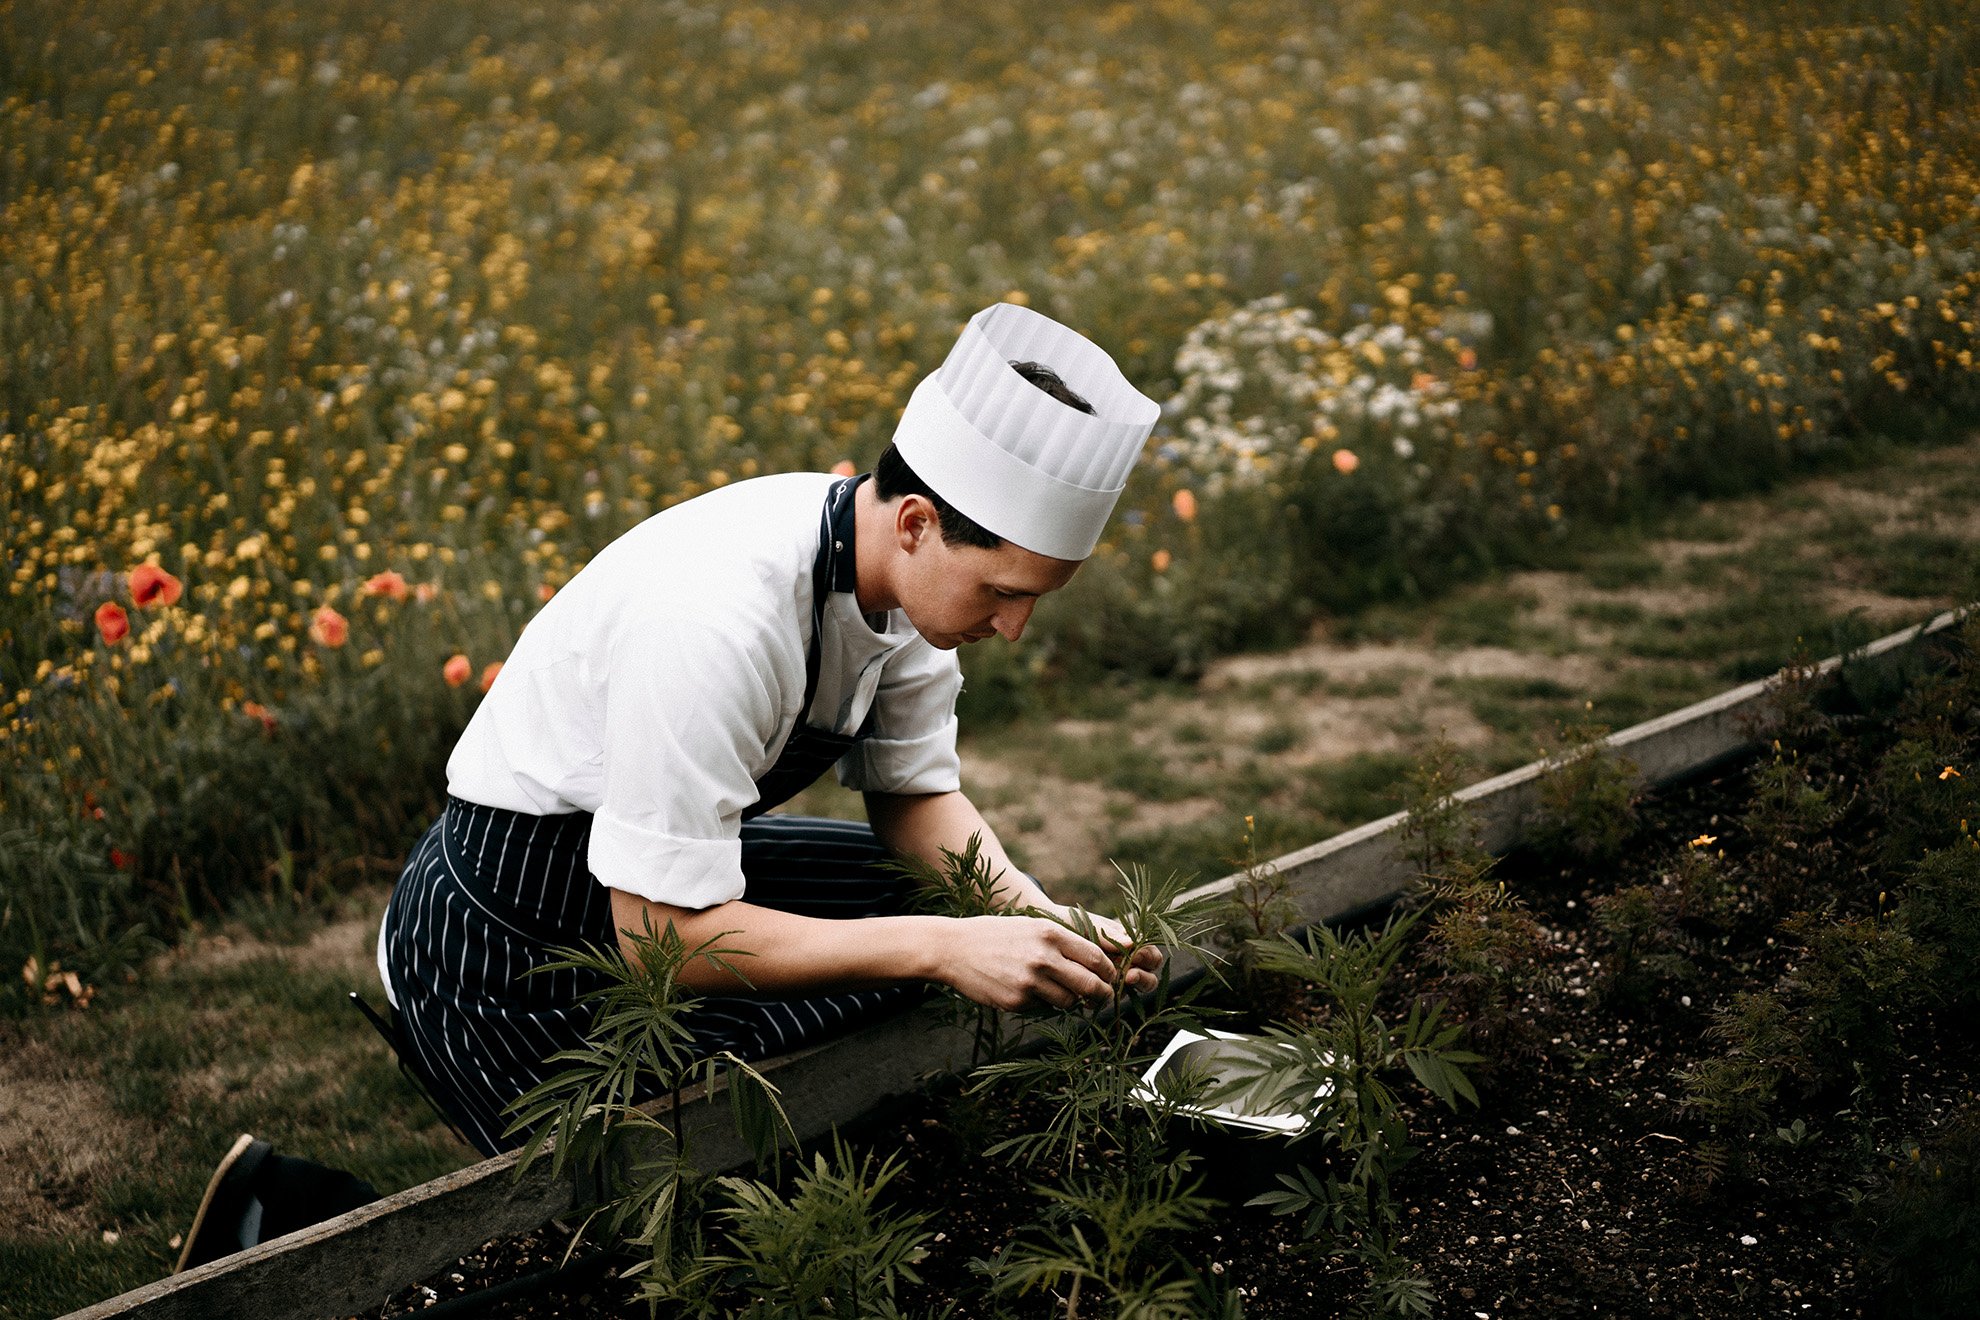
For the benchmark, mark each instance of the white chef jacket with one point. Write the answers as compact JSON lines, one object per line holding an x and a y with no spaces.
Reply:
{"x":664,"y":679}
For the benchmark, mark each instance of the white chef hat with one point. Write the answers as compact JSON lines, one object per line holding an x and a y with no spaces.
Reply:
{"x":1015,"y":460}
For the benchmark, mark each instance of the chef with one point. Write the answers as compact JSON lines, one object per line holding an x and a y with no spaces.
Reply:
{"x":703,"y":669}
{"x":713,"y":662}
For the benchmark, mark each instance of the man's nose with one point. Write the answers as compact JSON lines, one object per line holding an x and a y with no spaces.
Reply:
{"x":1009,"y":621}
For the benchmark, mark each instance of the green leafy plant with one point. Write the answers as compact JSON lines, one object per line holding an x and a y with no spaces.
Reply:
{"x":593,"y":1115}
{"x":1648,"y":952}
{"x":1941,"y":909}
{"x":1487,"y":956}
{"x":1257,"y":907}
{"x":1084,"y":1064}
{"x":1340,"y":1073}
{"x":832,"y":1247}
{"x":1734,"y":1091}
{"x":1105,"y":1233}
{"x":1440,"y":830}
{"x":1588,"y":798}
{"x":1919,"y":1227}
{"x":964,"y":886}
{"x":1787,"y":822}
{"x":1856,"y":985}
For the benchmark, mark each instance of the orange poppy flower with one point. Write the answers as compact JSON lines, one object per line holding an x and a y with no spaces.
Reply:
{"x":1185,"y":505}
{"x":328,"y":628}
{"x":1345,"y":461}
{"x":488,"y":675}
{"x":456,"y":670}
{"x":1160,"y":559}
{"x":254,"y":710}
{"x":389,"y":584}
{"x":844,"y":468}
{"x":112,"y":622}
{"x":152,"y":585}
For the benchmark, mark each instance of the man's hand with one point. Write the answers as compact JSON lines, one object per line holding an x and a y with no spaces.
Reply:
{"x":1139,"y":974}
{"x":1012,"y":962}
{"x":1015,"y":962}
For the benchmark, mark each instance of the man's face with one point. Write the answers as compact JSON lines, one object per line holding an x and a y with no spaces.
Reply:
{"x":954,"y":593}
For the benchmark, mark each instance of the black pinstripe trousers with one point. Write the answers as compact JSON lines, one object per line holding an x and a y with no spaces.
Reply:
{"x":487,"y":893}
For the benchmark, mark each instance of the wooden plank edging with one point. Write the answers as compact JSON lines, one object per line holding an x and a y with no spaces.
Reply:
{"x":353,"y":1262}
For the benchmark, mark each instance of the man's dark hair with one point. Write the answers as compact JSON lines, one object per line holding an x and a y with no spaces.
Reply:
{"x":893,"y":478}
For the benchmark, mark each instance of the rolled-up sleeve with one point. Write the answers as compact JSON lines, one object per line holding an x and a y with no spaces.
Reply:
{"x":688,"y":711}
{"x":912,"y":748}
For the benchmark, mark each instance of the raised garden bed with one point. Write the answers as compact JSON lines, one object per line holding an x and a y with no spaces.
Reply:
{"x":1578,"y":1182}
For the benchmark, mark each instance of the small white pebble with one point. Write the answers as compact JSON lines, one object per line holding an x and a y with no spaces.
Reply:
{"x":1748,"y":1240}
{"x":110,"y":1236}
{"x":1511,"y":1131}
{"x":1685,"y":1000}
{"x":1584,"y":1223}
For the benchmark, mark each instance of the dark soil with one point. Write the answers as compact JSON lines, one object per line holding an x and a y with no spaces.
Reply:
{"x":1576,"y":1187}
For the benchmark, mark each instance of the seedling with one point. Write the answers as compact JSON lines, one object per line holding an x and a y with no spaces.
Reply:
{"x":641,"y":1046}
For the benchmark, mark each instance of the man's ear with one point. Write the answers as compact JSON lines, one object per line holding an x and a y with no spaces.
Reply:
{"x":915,"y":520}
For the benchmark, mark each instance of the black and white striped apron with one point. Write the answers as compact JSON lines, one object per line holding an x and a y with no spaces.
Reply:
{"x":488,"y":893}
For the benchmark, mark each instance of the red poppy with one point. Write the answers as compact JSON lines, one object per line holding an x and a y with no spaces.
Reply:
{"x":456,"y":670}
{"x":488,"y":674}
{"x":328,"y":628}
{"x":112,"y":622}
{"x":152,"y":585}
{"x":389,"y":584}
{"x":254,"y":710}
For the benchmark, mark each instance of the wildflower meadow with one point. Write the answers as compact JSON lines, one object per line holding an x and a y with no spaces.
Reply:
{"x":335,"y":337}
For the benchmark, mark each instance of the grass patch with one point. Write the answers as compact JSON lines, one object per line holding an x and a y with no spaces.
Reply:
{"x":1920,"y":563}
{"x":197,"y":1055}
{"x":1361,"y":788}
{"x":1517,"y":707}
{"x":1281,"y":736}
{"x":1616,"y":569}
{"x":1608,"y":613}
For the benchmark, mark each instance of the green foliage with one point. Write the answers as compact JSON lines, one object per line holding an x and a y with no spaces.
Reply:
{"x":1857,"y":984}
{"x":1440,"y":829}
{"x":1734,"y":1091}
{"x":1941,"y":910}
{"x":641,"y":1045}
{"x":1919,"y":1227}
{"x":1106,"y":1232}
{"x":1787,"y":822}
{"x":963,"y":886}
{"x":1648,"y":951}
{"x":1083,"y":1064}
{"x":1487,"y":956}
{"x":1256,"y":908}
{"x":1588,"y":797}
{"x":1340,"y":1072}
{"x":1928,"y":784}
{"x":831,"y":1247}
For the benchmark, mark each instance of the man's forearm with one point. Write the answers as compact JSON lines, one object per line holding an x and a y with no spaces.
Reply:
{"x":778,"y":952}
{"x":923,"y":825}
